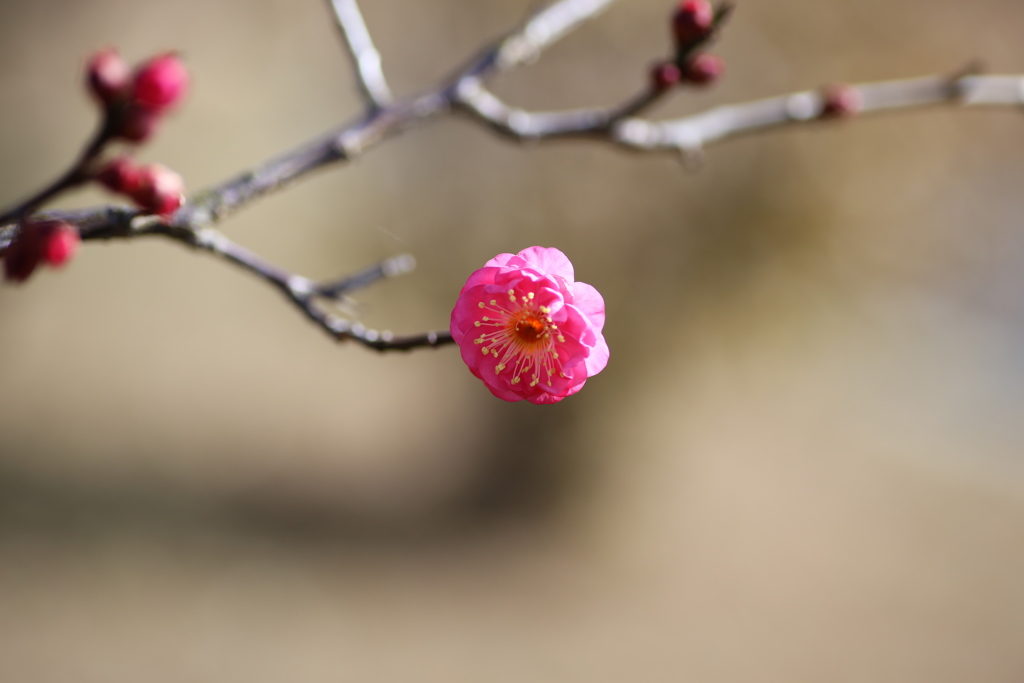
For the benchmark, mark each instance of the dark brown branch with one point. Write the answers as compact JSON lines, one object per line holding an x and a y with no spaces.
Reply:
{"x":77,"y":174}
{"x":305,"y":294}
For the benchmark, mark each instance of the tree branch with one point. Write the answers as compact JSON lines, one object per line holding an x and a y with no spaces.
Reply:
{"x":690,"y":134}
{"x":309,"y":296}
{"x":465,"y":92}
{"x":365,"y":58}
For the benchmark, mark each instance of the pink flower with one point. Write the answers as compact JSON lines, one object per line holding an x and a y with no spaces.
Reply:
{"x":527,"y":330}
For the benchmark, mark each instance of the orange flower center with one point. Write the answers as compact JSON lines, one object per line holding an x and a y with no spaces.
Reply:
{"x":530,"y":328}
{"x":522,"y":338}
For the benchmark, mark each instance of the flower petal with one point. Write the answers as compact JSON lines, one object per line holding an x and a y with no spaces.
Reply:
{"x":590,"y":302}
{"x":549,"y":261}
{"x":598,"y":358}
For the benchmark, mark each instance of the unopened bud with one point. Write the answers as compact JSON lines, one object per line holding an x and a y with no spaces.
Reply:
{"x":160,"y":83}
{"x":22,"y":255}
{"x":840,"y":100}
{"x":160,"y":190}
{"x":665,"y":75}
{"x":50,"y":242}
{"x":120,"y":175}
{"x":107,"y":76}
{"x":60,"y":242}
{"x":692,"y":21}
{"x":703,"y":69}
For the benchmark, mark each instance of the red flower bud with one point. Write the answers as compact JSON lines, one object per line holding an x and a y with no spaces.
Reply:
{"x":703,"y":69}
{"x":693,"y":21}
{"x":107,"y":76}
{"x":120,"y":175}
{"x":160,"y":83}
{"x":160,"y":190}
{"x":60,"y":242}
{"x":665,"y":75}
{"x":22,"y":256}
{"x":52,"y":242}
{"x":840,"y":100}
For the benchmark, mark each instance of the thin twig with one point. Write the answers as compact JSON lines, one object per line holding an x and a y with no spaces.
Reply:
{"x":365,"y":58}
{"x":302,"y":292}
{"x":692,"y":133}
{"x":77,"y":174}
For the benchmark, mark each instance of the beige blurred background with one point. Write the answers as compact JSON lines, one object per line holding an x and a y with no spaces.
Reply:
{"x":805,"y":461}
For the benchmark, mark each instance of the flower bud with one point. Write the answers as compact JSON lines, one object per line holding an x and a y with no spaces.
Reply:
{"x":60,"y":242}
{"x":22,"y":255}
{"x":160,"y":83}
{"x":665,"y":75}
{"x":703,"y":69}
{"x":107,"y":76}
{"x":692,"y":21}
{"x":50,"y":242}
{"x":840,"y":100}
{"x":120,"y":175}
{"x":160,"y":190}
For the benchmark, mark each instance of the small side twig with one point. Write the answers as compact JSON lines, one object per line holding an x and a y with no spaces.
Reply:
{"x":302,"y":292}
{"x":77,"y":174}
{"x":365,"y":58}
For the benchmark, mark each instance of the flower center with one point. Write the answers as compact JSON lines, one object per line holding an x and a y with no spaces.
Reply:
{"x":522,"y":336}
{"x":530,"y":328}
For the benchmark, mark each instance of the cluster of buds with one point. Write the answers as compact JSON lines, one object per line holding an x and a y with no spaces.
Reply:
{"x":52,"y":243}
{"x":154,"y":188}
{"x":134,"y":103}
{"x":693,"y":25}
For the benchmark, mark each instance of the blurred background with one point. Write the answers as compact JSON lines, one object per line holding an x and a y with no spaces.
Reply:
{"x":805,"y":461}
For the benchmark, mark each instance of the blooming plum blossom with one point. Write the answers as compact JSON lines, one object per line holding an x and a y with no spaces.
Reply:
{"x":527,"y":329}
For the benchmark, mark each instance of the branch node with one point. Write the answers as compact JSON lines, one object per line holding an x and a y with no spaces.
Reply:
{"x":803,"y":106}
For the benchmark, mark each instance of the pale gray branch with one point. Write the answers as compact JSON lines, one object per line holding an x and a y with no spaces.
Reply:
{"x":365,"y":58}
{"x":692,"y":133}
